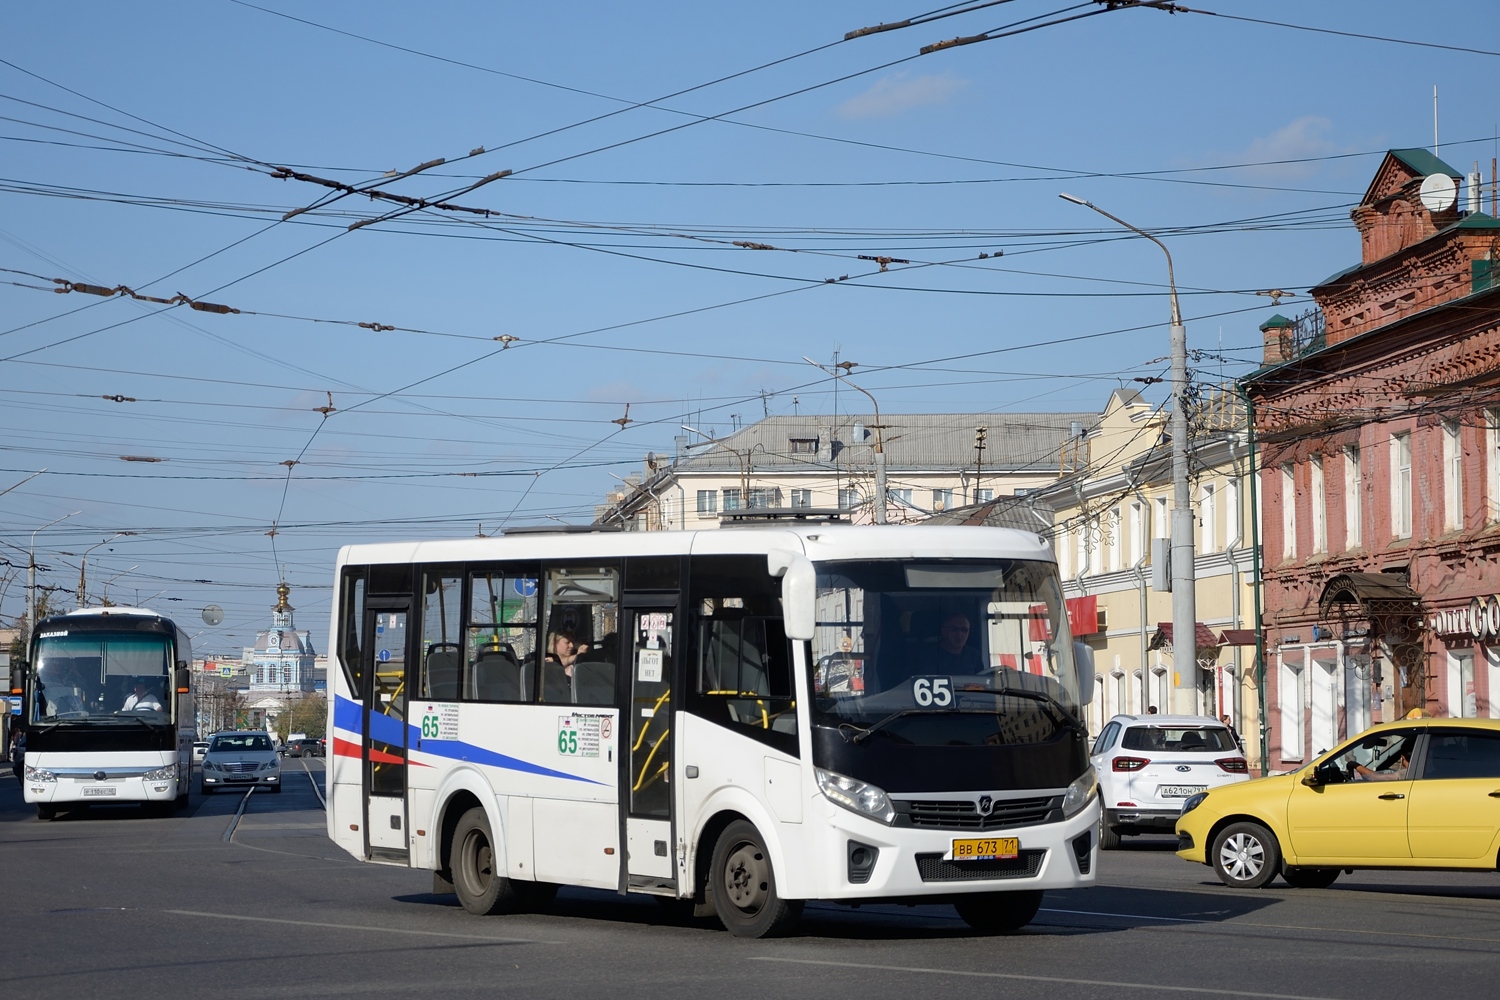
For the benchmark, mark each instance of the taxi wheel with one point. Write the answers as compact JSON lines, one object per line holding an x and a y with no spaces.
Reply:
{"x":1309,"y":878}
{"x":999,"y":912}
{"x":479,"y":887}
{"x":743,"y":886}
{"x":1246,"y":855}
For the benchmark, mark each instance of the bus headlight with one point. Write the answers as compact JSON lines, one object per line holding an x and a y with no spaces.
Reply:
{"x":856,"y":796}
{"x":39,"y":774}
{"x":1080,"y":792}
{"x":168,"y":773}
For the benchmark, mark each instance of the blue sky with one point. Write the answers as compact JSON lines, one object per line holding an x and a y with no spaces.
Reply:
{"x":139,"y":146}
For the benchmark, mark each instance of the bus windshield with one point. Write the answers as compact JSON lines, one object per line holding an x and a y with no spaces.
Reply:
{"x":943,"y":652}
{"x":98,"y":676}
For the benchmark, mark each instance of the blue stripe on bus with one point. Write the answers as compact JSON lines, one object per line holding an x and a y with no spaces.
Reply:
{"x":346,"y":715}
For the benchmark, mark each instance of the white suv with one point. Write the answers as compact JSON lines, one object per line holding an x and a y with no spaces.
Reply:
{"x":1148,"y":764}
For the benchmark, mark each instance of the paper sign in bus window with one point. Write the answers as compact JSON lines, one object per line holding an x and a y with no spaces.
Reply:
{"x":648,"y":664}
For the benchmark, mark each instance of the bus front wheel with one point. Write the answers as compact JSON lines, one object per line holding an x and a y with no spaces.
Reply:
{"x":999,"y":912}
{"x":743,"y":886}
{"x":481,"y":889}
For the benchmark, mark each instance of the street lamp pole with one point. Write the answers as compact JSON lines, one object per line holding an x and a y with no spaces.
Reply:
{"x":31,"y":573}
{"x":880,"y":491}
{"x":1184,"y":584}
{"x":83,"y":564}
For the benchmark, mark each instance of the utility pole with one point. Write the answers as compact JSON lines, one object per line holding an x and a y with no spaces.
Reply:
{"x":31,"y":574}
{"x":979,"y":435}
{"x":1184,"y":584}
{"x":880,"y":490}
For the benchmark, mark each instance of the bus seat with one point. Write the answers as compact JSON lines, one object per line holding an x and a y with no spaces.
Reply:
{"x":497,"y":675}
{"x":594,"y":682}
{"x":441,"y":671}
{"x":557,"y":686}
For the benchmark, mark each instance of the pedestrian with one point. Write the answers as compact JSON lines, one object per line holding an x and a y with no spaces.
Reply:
{"x":1151,"y":710}
{"x":1233,"y":732}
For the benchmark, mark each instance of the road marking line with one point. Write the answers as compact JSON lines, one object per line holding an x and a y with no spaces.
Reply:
{"x":316,"y":791}
{"x":234,"y":820}
{"x":1130,"y":916}
{"x":356,"y":927}
{"x":1042,"y":979}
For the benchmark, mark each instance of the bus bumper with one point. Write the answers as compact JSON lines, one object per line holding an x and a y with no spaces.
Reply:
{"x":51,"y":779}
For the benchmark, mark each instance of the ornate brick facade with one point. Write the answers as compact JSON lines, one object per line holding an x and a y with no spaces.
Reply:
{"x":1379,"y":482}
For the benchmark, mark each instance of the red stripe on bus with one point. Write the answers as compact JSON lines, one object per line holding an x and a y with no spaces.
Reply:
{"x":345,"y":748}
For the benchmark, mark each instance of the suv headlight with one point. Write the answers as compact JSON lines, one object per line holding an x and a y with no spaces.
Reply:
{"x":1081,"y":792}
{"x":856,"y":796}
{"x":1192,"y":802}
{"x":168,"y":773}
{"x":39,"y":774}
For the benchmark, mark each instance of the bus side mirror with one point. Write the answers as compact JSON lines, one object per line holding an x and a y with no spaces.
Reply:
{"x":17,"y":676}
{"x":184,"y":678}
{"x":1083,"y":659}
{"x":799,"y":582}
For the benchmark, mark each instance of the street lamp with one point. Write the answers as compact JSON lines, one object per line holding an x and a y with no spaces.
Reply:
{"x":880,"y":493}
{"x":105,"y":595}
{"x":31,"y":573}
{"x":1184,"y":604}
{"x":84,"y":562}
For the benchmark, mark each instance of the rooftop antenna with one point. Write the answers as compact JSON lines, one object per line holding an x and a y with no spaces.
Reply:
{"x":1434,"y":120}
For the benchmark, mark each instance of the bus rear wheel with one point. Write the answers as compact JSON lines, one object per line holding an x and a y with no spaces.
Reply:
{"x":743,"y":885}
{"x":999,"y":912}
{"x":480,"y":888}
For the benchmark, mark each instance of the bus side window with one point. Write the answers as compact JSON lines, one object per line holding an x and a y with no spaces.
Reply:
{"x":441,"y":652}
{"x":352,"y":623}
{"x":501,"y":637}
{"x":745,"y":666}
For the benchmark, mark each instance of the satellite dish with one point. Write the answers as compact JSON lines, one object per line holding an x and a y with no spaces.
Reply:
{"x":213,"y":614}
{"x":1438,"y":192}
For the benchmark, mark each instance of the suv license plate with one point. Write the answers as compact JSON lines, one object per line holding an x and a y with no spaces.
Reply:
{"x":1180,"y":791}
{"x":986,"y":849}
{"x":99,"y":790}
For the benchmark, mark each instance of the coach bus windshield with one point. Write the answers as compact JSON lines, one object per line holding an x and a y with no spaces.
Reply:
{"x":943,"y":653}
{"x":93,"y":676}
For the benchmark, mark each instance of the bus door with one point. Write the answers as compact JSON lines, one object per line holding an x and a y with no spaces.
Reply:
{"x":647,"y":792}
{"x":385,"y":728}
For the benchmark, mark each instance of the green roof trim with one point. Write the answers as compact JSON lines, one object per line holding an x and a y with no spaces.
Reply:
{"x":1276,"y":322}
{"x":1335,"y":276}
{"x":1475,"y":220}
{"x":1424,"y":163}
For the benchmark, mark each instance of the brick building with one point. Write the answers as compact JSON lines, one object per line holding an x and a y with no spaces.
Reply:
{"x":1378,"y":421}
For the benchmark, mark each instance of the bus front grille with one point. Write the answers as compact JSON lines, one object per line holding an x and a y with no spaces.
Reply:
{"x":960,"y":814}
{"x":933,"y":868}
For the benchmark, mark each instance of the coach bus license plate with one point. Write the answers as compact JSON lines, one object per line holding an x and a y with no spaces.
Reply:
{"x":1180,"y":791}
{"x":986,"y":849}
{"x":99,"y":790}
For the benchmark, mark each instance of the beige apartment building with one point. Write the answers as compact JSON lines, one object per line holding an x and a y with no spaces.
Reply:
{"x":934,"y":462}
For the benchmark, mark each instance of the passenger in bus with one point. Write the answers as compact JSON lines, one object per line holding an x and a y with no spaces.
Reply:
{"x":563,"y":651}
{"x":141,"y":698}
{"x":953,"y":653}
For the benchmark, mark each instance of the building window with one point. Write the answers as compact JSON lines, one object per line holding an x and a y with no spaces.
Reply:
{"x":1208,"y":514}
{"x":731,"y":499}
{"x":902,"y":495}
{"x":1062,"y":543}
{"x":1288,"y":512}
{"x":1319,"y":505}
{"x":804,"y":446}
{"x":1463,"y":700}
{"x":1401,"y":485}
{"x":765,"y":496}
{"x":1232,"y":531}
{"x":1161,"y":527}
{"x":1116,"y":543}
{"x":848,"y":498}
{"x":708,"y":501}
{"x":1453,"y":478}
{"x":984,"y":495}
{"x":801,"y":498}
{"x":1492,"y":463}
{"x":942,"y":499}
{"x":1492,"y":659}
{"x":1081,"y":554}
{"x":1293,"y":698}
{"x":1137,"y":534}
{"x":1352,"y":509}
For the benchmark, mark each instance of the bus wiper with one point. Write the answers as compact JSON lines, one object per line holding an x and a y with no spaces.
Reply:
{"x":860,"y":736}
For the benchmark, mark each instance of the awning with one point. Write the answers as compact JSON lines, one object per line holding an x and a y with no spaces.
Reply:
{"x":1207,"y":641}
{"x":1237,"y":637}
{"x":1369,"y":594}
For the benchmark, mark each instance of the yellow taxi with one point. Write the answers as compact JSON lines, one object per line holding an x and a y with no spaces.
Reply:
{"x":1420,"y":793}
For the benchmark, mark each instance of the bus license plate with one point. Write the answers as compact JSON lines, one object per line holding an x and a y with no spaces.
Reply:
{"x":987,"y":849}
{"x":99,"y":790}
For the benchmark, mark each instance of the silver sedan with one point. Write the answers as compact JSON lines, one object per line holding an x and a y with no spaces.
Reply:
{"x":240,"y":760}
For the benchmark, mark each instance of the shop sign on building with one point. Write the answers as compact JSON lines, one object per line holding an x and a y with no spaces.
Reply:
{"x":1479,"y":621}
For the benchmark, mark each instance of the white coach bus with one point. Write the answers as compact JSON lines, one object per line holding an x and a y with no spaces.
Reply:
{"x":748,"y":718}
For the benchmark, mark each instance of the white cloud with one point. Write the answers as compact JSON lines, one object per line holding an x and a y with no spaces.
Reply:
{"x":1305,"y":137}
{"x":893,"y":95}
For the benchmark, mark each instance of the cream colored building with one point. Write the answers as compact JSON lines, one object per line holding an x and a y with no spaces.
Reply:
{"x":933,"y":463}
{"x":1105,"y":519}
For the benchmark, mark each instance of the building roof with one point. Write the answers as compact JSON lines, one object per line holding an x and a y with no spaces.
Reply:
{"x":913,"y":442}
{"x":1025,"y":512}
{"x":1424,"y":162}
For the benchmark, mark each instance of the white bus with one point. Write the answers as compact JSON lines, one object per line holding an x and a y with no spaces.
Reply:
{"x":108,"y":711}
{"x":747,"y":717}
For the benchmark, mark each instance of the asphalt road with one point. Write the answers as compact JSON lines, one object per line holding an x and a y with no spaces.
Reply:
{"x":116,"y":904}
